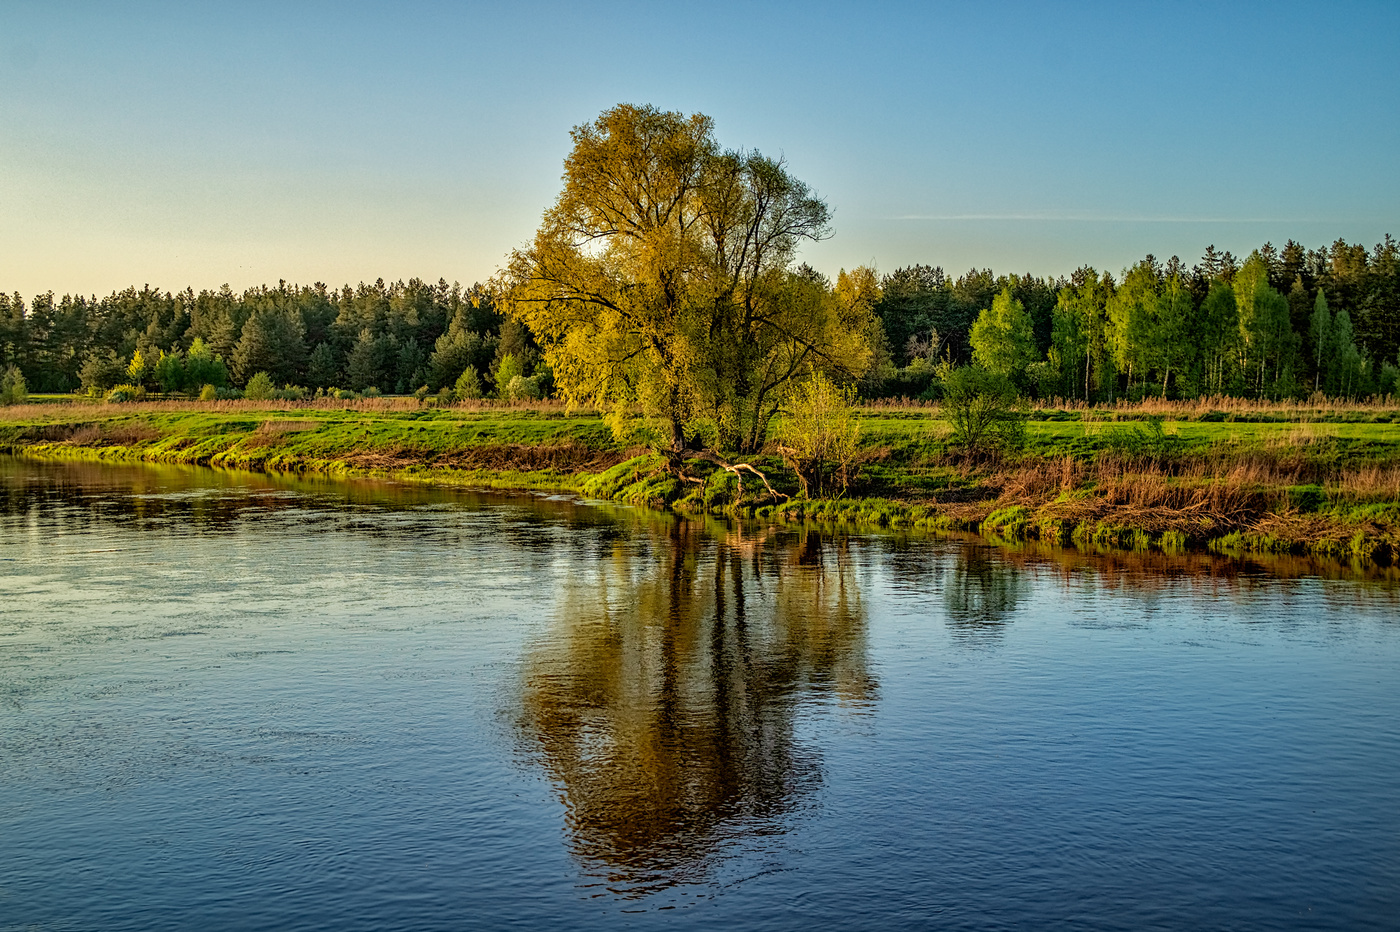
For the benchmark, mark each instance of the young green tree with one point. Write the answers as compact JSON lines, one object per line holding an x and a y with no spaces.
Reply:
{"x":509,"y":369}
{"x":1131,"y":312}
{"x":468,"y":385}
{"x":202,"y":367}
{"x":1267,"y":342}
{"x":13,"y":389}
{"x":457,"y":350}
{"x":260,"y":387}
{"x":1002,"y":339}
{"x":169,"y":371}
{"x":980,"y":406}
{"x":321,"y":368}
{"x":138,"y":371}
{"x":1080,"y":335}
{"x":1173,"y":349}
{"x":1218,"y":334}
{"x":820,"y":435}
{"x":365,"y":366}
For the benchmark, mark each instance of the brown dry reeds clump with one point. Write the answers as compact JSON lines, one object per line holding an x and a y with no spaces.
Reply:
{"x":1199,"y":493}
{"x":92,"y":435}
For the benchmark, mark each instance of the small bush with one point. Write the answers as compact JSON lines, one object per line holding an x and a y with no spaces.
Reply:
{"x":1010,"y":523}
{"x":1173,"y":542}
{"x":13,"y":389}
{"x":208,"y":393}
{"x":521,"y":388}
{"x":345,"y":394}
{"x":260,"y":388}
{"x":121,"y":394}
{"x":820,"y":435}
{"x":982,"y":408}
{"x":372,"y":392}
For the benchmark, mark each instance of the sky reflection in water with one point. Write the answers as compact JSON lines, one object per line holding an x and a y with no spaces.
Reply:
{"x":267,"y":703}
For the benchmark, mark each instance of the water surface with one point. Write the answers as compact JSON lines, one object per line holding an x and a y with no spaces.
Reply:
{"x":243,"y":702}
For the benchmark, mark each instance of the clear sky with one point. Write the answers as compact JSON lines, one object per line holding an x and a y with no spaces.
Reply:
{"x":196,"y":144}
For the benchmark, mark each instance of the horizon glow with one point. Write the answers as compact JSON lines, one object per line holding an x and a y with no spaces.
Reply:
{"x":182,"y":145}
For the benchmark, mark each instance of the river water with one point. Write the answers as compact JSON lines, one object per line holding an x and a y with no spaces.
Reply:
{"x":231,"y":701}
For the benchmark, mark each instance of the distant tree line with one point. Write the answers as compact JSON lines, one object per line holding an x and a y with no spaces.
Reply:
{"x":392,"y":338}
{"x":1281,"y":323}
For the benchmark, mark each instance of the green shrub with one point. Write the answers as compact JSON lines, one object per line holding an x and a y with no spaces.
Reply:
{"x":260,"y":388}
{"x":983,"y":409}
{"x":521,"y":388}
{"x":372,"y":391}
{"x":208,"y":393}
{"x":13,"y":389}
{"x":820,"y":435}
{"x":1009,"y":523}
{"x":1173,"y":542}
{"x":468,"y":385}
{"x":124,"y":393}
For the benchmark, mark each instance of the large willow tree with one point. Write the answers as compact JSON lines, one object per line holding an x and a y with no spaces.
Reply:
{"x":662,"y":285}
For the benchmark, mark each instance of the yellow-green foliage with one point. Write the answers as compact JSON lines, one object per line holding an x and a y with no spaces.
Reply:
{"x":820,"y":434}
{"x":13,"y":389}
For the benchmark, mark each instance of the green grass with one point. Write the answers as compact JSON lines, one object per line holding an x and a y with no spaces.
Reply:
{"x":909,"y":478}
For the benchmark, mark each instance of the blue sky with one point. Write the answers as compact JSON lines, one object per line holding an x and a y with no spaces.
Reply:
{"x":199,"y":144}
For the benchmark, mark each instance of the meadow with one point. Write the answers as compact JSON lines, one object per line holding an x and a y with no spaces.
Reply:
{"x":1233,"y":476}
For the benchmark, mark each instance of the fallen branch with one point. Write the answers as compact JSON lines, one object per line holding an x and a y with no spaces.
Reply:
{"x":734,"y":468}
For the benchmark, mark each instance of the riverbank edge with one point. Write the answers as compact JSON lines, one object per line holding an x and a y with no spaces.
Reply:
{"x":641,"y":481}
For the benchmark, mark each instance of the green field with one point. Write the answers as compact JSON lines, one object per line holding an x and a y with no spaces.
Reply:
{"x":1284,"y":479}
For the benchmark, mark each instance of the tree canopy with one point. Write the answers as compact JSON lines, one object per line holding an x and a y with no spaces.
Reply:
{"x":663,"y":282}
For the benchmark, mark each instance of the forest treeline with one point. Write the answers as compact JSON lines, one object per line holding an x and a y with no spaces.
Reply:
{"x":1281,"y":323}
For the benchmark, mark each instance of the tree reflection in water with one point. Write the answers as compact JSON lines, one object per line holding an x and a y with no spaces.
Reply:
{"x":980,"y":594}
{"x":663,"y":703}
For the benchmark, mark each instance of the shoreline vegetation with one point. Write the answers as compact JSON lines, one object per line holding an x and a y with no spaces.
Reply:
{"x":1225,"y":475}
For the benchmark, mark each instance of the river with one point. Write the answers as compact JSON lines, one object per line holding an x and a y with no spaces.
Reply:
{"x":234,"y":701}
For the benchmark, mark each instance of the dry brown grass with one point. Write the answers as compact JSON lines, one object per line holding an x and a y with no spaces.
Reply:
{"x":1367,"y":484}
{"x":1220,"y":489}
{"x":85,"y":407}
{"x":91,"y":435}
{"x":1318,"y":406}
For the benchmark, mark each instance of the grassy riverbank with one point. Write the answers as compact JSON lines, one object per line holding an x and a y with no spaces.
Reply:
{"x":1247,"y":477}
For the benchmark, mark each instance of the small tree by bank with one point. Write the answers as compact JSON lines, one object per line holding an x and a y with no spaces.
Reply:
{"x":820,"y":435}
{"x":983,"y":409}
{"x":260,"y":388}
{"x":13,"y":389}
{"x":468,"y":385}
